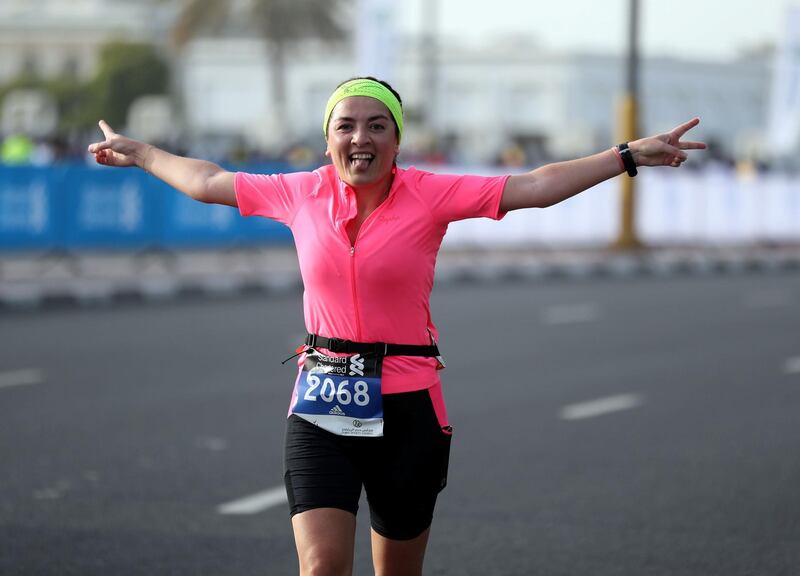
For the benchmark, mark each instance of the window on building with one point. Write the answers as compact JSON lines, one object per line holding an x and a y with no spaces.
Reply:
{"x":525,"y":107}
{"x":29,"y":65}
{"x":70,"y":67}
{"x":464,"y":107}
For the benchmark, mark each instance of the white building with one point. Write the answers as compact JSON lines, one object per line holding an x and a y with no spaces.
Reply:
{"x":50,"y":38}
{"x":567,"y":103}
{"x":558,"y":105}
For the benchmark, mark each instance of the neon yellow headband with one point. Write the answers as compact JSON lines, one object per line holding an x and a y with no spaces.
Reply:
{"x":371,"y":89}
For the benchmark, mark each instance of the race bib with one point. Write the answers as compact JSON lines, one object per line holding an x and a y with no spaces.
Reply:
{"x":341,"y":394}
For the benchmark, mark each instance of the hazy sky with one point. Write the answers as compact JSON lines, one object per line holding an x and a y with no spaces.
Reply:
{"x":699,"y":29}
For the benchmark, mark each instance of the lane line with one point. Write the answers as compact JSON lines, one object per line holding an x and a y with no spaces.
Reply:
{"x":255,"y":503}
{"x":570,"y":314}
{"x":601,"y":406}
{"x":792,"y":365}
{"x":20,"y":378}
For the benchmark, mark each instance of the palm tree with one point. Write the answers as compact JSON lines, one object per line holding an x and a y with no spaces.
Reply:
{"x":279,"y":22}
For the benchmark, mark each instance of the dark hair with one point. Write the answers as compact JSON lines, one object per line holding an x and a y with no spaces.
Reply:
{"x":387,"y":85}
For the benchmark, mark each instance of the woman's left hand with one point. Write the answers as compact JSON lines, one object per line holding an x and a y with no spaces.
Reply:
{"x":665,"y":149}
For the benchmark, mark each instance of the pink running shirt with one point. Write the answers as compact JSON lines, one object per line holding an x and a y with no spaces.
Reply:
{"x":377,"y":290}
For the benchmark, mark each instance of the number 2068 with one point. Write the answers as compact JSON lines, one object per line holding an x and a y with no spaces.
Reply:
{"x":328,"y":391}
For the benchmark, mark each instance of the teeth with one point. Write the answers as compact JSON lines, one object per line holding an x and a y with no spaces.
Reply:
{"x":361,"y":156}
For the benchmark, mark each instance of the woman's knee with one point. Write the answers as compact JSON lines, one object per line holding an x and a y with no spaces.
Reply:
{"x":325,"y":560}
{"x":325,"y":538}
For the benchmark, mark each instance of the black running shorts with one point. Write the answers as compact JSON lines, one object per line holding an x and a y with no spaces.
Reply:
{"x":402,"y":472}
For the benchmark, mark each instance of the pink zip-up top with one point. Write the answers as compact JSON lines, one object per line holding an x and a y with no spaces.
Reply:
{"x":378,"y":289}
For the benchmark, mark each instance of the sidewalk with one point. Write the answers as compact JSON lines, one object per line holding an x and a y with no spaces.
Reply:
{"x":30,"y":281}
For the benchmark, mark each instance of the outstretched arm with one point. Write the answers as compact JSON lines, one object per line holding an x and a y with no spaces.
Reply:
{"x":553,"y":183}
{"x":198,"y":179}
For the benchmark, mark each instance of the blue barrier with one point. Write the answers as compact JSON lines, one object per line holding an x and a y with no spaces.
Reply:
{"x":29,"y":208}
{"x":109,"y":209}
{"x":75,"y":208}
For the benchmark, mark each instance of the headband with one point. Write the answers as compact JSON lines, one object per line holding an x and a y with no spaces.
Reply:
{"x":371,"y":89}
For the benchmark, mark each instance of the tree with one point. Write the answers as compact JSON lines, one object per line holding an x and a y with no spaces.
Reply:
{"x":127,"y":71}
{"x":279,"y":22}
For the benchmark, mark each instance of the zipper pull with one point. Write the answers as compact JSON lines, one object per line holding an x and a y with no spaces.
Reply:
{"x":352,"y":250}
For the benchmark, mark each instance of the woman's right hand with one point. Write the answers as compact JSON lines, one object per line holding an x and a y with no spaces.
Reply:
{"x":118,"y":150}
{"x":198,"y":179}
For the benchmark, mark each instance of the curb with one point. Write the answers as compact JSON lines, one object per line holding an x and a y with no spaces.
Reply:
{"x":619,"y":267}
{"x":45,"y":281}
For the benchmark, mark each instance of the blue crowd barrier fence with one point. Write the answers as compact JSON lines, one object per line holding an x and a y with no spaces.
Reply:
{"x":76,"y":208}
{"x":81,"y":208}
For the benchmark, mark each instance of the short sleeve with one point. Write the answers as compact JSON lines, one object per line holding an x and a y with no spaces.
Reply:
{"x":276,"y":196}
{"x":458,"y":197}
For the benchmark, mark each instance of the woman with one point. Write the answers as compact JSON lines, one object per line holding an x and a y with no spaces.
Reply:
{"x":367,"y":407}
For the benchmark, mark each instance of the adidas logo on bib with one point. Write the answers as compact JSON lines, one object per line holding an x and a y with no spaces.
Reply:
{"x":336,"y":411}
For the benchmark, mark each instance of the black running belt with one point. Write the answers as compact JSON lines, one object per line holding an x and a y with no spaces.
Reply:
{"x":350,"y":347}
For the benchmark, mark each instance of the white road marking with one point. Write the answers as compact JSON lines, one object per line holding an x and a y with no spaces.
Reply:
{"x":211,"y":443}
{"x":601,"y":406}
{"x":792,"y":365}
{"x":53,"y":492}
{"x":570,"y":314}
{"x":20,"y":378}
{"x":255,"y":503}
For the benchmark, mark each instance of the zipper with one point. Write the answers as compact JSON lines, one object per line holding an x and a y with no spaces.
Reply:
{"x":355,"y":292}
{"x":353,"y":261}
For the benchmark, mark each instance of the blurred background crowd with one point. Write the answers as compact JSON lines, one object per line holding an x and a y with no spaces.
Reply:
{"x":245,"y":82}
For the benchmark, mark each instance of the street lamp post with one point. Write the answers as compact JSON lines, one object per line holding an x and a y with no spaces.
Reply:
{"x":628,"y":118}
{"x":430,"y":61}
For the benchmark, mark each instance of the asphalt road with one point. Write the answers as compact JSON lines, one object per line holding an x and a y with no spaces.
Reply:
{"x":637,"y":427}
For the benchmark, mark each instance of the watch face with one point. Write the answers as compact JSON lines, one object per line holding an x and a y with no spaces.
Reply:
{"x":627,"y":159}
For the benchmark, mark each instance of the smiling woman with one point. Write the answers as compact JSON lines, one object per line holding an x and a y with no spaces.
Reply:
{"x":363,"y":142}
{"x":367,"y":408}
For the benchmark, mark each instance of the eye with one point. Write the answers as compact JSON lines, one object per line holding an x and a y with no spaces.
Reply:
{"x":377,"y":126}
{"x":343,"y":127}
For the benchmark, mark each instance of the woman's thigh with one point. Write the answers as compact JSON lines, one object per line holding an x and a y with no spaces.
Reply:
{"x":325,"y":539}
{"x":404,"y":477}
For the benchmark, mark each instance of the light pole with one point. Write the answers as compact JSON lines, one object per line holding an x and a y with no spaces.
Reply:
{"x":628,"y":119}
{"x":430,"y":61}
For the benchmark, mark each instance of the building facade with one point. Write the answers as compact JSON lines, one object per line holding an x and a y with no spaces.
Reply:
{"x":51,"y":38}
{"x":475,"y":103}
{"x":552,"y":105}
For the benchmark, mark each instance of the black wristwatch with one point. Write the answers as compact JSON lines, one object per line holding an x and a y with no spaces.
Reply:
{"x":627,"y":159}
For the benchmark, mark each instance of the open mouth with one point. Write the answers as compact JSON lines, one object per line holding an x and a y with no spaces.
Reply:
{"x":361,"y":160}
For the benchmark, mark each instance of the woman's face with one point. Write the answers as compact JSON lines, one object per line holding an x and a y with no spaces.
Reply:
{"x":362,"y":141}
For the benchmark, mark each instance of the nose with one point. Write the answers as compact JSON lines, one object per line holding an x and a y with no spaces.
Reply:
{"x":360,"y":136}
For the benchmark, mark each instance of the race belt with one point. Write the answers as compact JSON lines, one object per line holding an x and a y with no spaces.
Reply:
{"x":342,"y":394}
